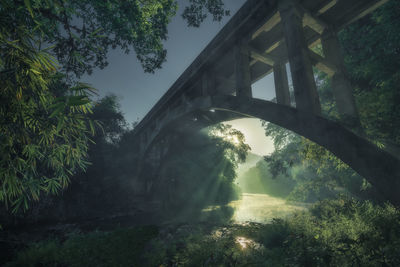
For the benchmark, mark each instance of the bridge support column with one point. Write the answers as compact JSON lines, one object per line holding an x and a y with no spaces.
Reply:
{"x":305,"y":89}
{"x":208,"y":86}
{"x":341,"y":86}
{"x":281,"y":84}
{"x":142,"y":143}
{"x":242,"y":71}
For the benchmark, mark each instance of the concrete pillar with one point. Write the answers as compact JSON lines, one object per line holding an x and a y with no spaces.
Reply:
{"x":281,"y":84}
{"x":242,"y":71}
{"x":208,"y":85}
{"x":142,"y":143}
{"x":342,"y":89}
{"x":305,"y":89}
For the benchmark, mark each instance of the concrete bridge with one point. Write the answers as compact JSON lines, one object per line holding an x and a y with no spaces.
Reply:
{"x":260,"y":39}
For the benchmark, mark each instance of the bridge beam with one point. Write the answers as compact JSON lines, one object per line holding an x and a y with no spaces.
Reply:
{"x":263,"y":57}
{"x":341,"y":85}
{"x":281,"y":84}
{"x":242,"y":70}
{"x":305,"y":89}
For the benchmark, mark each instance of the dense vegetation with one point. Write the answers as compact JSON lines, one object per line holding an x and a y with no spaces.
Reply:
{"x":200,"y":170}
{"x":350,"y":224}
{"x":374,"y":72}
{"x":45,"y":46}
{"x":343,"y":232}
{"x":259,"y":180}
{"x":43,"y":123}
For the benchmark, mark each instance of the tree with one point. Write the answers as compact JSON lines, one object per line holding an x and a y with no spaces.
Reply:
{"x":200,"y":168}
{"x":373,"y":68}
{"x":44,"y":126}
{"x":82,"y":32}
{"x":43,"y":134}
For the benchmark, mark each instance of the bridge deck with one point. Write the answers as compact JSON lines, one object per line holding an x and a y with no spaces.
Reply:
{"x":259,"y":22}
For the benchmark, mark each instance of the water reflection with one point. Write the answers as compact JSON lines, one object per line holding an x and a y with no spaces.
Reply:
{"x":245,"y":242}
{"x":262,"y":208}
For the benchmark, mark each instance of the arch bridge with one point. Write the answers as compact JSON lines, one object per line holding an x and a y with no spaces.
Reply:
{"x":260,"y":39}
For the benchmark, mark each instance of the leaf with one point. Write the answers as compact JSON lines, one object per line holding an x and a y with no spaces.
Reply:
{"x":60,"y":124}
{"x":20,"y":201}
{"x":53,"y":186}
{"x":57,"y":111}
{"x":29,"y":7}
{"x":95,"y":32}
{"x":91,"y":127}
{"x":36,"y":72}
{"x":78,"y":101}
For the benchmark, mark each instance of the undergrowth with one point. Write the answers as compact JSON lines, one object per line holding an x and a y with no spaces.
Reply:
{"x":341,"y":232}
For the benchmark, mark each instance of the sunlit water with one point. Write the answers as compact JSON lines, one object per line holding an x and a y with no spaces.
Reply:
{"x":262,"y":208}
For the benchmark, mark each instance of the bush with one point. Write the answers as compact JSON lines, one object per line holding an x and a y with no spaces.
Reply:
{"x":340,"y":232}
{"x":122,"y":247}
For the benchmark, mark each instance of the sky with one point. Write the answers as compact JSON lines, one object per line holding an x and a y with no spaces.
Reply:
{"x":138,"y":91}
{"x":254,"y":135}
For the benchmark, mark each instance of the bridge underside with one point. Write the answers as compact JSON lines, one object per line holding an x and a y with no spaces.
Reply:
{"x":379,"y":167}
{"x":260,"y":39}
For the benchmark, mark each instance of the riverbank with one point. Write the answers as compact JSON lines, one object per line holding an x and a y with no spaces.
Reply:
{"x":341,"y":232}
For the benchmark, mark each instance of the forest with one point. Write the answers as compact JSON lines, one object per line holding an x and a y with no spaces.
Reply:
{"x":67,"y":193}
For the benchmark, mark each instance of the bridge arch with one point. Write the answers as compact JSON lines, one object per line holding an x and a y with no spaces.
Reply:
{"x":379,"y":167}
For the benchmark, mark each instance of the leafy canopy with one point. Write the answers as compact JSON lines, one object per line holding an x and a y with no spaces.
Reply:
{"x":43,"y":127}
{"x":82,"y":32}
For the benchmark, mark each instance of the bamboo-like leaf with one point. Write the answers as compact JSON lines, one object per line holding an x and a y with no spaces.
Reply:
{"x":60,"y":124}
{"x":57,"y":111}
{"x":29,"y":7}
{"x":91,"y":125}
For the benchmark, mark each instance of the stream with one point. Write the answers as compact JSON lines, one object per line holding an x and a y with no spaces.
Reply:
{"x":262,"y":208}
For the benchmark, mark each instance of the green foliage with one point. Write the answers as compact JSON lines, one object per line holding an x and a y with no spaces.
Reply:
{"x":231,"y":141}
{"x":107,"y":112}
{"x":122,"y":247}
{"x":201,"y":170}
{"x":374,"y":69}
{"x":44,"y":118}
{"x":202,"y":245}
{"x":341,"y":232}
{"x":313,"y":171}
{"x":344,"y":232}
{"x":103,"y":186}
{"x":43,"y":126}
{"x":82,"y":32}
{"x":198,"y":10}
{"x":260,"y":180}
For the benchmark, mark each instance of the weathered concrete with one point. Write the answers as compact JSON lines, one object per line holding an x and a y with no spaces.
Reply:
{"x":305,"y":89}
{"x":341,"y":86}
{"x":259,"y":39}
{"x":281,"y":84}
{"x":208,"y":83}
{"x":242,"y":71}
{"x":379,"y":167}
{"x":261,"y":22}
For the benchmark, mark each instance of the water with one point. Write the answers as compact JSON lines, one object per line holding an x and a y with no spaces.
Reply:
{"x":262,"y":208}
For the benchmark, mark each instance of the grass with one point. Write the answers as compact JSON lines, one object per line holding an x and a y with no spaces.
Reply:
{"x":340,"y":232}
{"x":122,"y":247}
